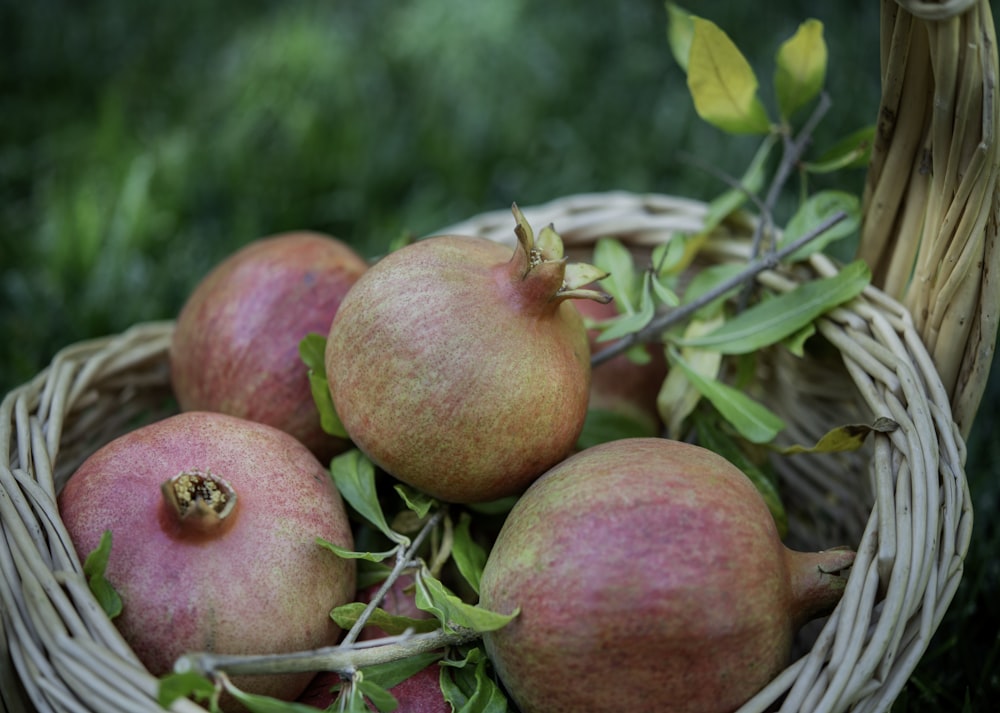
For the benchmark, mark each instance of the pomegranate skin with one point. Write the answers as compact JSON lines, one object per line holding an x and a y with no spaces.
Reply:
{"x":653,"y":569}
{"x":261,"y":584}
{"x":455,"y":372}
{"x":235,"y":348}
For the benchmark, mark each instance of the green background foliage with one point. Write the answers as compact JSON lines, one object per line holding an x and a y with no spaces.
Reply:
{"x":141,"y":142}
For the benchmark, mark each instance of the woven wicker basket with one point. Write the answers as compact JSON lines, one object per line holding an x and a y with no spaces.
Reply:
{"x":902,"y":502}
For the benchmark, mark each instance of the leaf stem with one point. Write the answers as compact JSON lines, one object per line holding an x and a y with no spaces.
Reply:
{"x":768,"y":261}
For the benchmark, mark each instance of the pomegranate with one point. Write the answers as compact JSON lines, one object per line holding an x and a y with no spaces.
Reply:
{"x":621,"y":386}
{"x":653,"y":569}
{"x":462,"y":369}
{"x":235,"y":347}
{"x":214,"y":521}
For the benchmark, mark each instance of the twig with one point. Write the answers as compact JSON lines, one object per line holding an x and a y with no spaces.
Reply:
{"x":768,"y":261}
{"x":342,"y":658}
{"x":404,"y":559}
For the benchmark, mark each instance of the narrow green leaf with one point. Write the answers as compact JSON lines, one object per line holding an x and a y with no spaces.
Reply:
{"x":622,"y":282}
{"x":392,"y":673}
{"x":751,"y":419}
{"x":347,"y":614}
{"x":706,"y":280}
{"x":354,"y":475}
{"x":801,"y":68}
{"x":813,"y":212}
{"x":383,"y":701}
{"x":469,"y":688}
{"x":849,"y":437}
{"x":353,"y":554}
{"x":256,"y":703}
{"x":432,"y":596}
{"x":175,"y":686}
{"x":715,"y":439}
{"x":853,"y":151}
{"x":469,"y":555}
{"x":417,"y":501}
{"x":624,"y":324}
{"x":796,"y":343}
{"x":94,"y":567}
{"x":663,"y":291}
{"x":312,"y":351}
{"x":680,"y":30}
{"x":722,"y":83}
{"x":775,"y":319}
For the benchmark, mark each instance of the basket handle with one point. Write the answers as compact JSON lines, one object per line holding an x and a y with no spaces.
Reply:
{"x":931,"y":209}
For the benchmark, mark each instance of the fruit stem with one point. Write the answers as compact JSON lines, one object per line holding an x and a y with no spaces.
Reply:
{"x":542,"y":268}
{"x":199,"y":502}
{"x":817,"y":581}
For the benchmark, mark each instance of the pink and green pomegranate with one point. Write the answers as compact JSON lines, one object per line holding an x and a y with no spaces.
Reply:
{"x":649,"y":576}
{"x":236,"y":345}
{"x":458,"y":365}
{"x":214,"y":523}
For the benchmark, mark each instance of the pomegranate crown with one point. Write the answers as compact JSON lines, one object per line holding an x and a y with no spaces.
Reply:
{"x":544,"y":254}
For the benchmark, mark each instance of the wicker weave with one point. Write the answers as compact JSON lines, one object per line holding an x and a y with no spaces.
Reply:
{"x":902,"y":502}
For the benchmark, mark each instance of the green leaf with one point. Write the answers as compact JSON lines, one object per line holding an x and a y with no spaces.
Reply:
{"x":752,"y":420}
{"x":94,"y":567}
{"x":801,"y":68}
{"x":256,"y":703}
{"x":175,"y":686}
{"x":602,"y":426}
{"x":796,"y":343}
{"x":667,"y":257}
{"x":624,"y":324}
{"x":680,"y":30}
{"x":469,"y":555}
{"x":354,"y":475}
{"x":355,"y":555}
{"x":715,"y":439}
{"x":817,"y":208}
{"x":432,"y":596}
{"x":844,"y":438}
{"x":346,"y":615}
{"x":722,"y":83}
{"x":622,"y":282}
{"x":775,"y":319}
{"x":706,"y":280}
{"x":392,"y":673}
{"x":417,"y":501}
{"x":312,"y":350}
{"x":469,"y":688}
{"x":383,"y":701}
{"x":853,"y":151}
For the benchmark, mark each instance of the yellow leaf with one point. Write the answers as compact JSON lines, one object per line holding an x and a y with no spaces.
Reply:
{"x":801,"y":67}
{"x":722,"y":83}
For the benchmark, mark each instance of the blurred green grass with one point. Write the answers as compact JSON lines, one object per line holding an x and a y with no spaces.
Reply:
{"x":141,"y":142}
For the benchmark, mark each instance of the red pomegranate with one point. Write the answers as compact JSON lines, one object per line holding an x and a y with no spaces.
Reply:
{"x":652,"y":569}
{"x":236,"y":345}
{"x":214,"y":523}
{"x":459,"y":366}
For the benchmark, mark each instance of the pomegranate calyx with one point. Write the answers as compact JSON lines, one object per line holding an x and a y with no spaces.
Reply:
{"x":543,"y":256}
{"x":200,"y":500}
